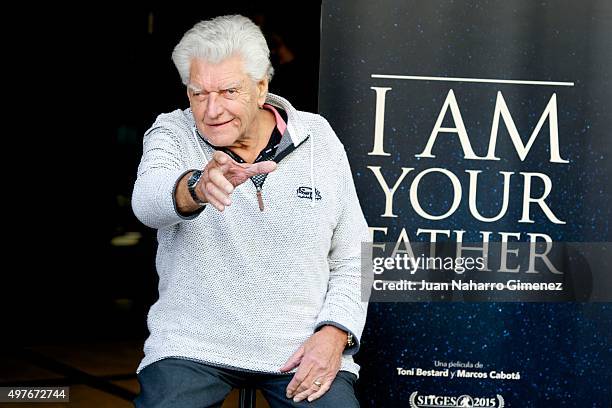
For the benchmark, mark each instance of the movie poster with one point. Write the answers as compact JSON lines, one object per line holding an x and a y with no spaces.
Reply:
{"x":479,"y":140}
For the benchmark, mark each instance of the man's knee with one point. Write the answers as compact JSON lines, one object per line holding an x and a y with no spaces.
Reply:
{"x":180,"y":383}
{"x":340,"y":394}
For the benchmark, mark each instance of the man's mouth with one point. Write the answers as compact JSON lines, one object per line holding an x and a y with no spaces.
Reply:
{"x":218,"y":125}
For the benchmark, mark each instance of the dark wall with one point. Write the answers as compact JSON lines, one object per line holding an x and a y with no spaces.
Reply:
{"x":110,"y":74}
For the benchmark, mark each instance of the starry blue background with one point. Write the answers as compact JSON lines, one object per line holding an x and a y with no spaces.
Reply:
{"x":562,"y":350}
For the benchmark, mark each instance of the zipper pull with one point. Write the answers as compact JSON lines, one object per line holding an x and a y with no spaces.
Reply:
{"x":260,"y":199}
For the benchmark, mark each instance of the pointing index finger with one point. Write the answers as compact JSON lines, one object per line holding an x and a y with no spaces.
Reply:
{"x":263,"y":167}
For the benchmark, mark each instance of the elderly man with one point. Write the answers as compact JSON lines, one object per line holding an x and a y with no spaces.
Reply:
{"x":259,"y":231}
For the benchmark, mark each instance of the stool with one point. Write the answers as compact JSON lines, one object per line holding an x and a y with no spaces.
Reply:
{"x":247,"y":397}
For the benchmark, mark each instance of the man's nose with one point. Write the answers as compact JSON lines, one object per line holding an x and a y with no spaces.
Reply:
{"x":213,"y":105}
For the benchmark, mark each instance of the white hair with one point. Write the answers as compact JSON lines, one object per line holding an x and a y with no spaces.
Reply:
{"x":220,"y":38}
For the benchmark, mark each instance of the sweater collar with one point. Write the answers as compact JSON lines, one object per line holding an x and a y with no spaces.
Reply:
{"x":297,"y":132}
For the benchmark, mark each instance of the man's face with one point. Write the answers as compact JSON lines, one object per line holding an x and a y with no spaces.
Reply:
{"x":224,"y":100}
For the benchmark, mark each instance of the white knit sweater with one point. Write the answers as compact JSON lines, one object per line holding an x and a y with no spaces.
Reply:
{"x":245,"y":288}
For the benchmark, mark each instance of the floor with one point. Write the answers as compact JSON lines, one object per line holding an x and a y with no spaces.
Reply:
{"x":98,"y":374}
{"x":83,"y":330}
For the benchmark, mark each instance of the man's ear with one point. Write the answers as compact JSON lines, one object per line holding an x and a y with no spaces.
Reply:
{"x":262,"y":91}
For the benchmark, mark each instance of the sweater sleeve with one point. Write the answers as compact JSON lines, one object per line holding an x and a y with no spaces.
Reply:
{"x":161,"y":167}
{"x":344,"y":306}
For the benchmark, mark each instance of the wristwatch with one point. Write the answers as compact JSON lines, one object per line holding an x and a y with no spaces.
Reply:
{"x":350,"y":342}
{"x":192,"y":183}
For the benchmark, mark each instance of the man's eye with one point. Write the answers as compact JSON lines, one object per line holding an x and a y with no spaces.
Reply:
{"x":231,"y":91}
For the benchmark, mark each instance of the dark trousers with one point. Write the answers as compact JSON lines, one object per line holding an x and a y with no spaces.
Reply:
{"x":178,"y":383}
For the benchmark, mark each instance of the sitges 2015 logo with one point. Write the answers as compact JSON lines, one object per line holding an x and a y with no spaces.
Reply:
{"x":432,"y":401}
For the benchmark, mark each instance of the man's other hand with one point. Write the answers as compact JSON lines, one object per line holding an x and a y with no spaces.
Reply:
{"x":318,"y":361}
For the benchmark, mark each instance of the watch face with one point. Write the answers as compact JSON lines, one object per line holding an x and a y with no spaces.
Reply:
{"x":191,"y":185}
{"x":195,"y":177}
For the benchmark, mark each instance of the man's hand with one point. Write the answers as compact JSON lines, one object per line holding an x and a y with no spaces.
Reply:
{"x":319,"y":359}
{"x":219,"y":178}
